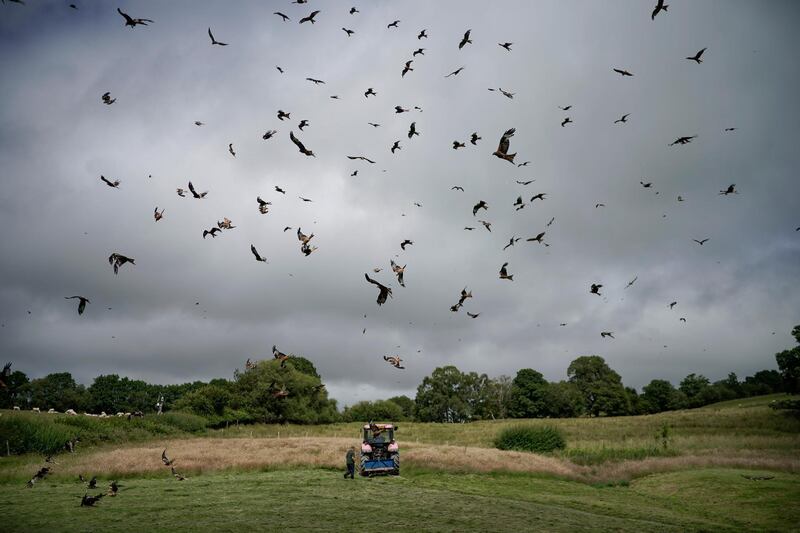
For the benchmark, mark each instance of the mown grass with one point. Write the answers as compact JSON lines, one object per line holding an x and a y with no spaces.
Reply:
{"x":419,"y":500}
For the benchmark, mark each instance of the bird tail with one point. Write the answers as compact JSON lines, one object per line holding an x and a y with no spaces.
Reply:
{"x":510,"y":157}
{"x":511,"y":277}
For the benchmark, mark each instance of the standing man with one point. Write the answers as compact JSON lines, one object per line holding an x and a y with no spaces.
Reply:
{"x":351,"y":462}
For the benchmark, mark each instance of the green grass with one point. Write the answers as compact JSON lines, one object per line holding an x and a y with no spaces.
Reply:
{"x":320,"y":500}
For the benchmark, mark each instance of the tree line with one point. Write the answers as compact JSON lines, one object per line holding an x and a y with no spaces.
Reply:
{"x":293,"y":392}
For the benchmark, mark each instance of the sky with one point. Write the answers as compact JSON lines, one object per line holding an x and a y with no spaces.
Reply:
{"x":196,"y":309}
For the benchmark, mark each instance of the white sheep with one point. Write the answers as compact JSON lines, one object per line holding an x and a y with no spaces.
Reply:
{"x":35,"y":410}
{"x":16,"y":408}
{"x":70,"y":412}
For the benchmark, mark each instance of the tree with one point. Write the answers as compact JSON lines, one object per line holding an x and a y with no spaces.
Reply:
{"x":527,"y":398}
{"x":789,"y":365}
{"x":303,"y":365}
{"x":113,"y":394}
{"x":378,"y":411}
{"x":694,"y":387}
{"x":210,"y":400}
{"x":659,"y":395}
{"x":406,"y":404}
{"x":57,"y":391}
{"x":564,"y":400}
{"x":13,"y":393}
{"x":445,"y":396}
{"x":635,"y":401}
{"x":601,"y":387}
{"x":763,"y":382}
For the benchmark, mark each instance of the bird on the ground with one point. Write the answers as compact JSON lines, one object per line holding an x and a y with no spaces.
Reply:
{"x":398,"y":270}
{"x":730,"y":190}
{"x":758,"y":478}
{"x":504,"y":273}
{"x":117,"y":260}
{"x":480,"y":205}
{"x":257,"y":255}
{"x":682,"y":140}
{"x":158,"y":215}
{"x":106,"y":98}
{"x":82,"y":301}
{"x":395,"y":146}
{"x":213,"y":232}
{"x":394,"y":360}
{"x":455,"y":72}
{"x":487,"y":225}
{"x":362,"y":158}
{"x":457,"y":145}
{"x":631,"y":282}
{"x":300,"y":146}
{"x":132,"y":22}
{"x":113,"y":184}
{"x":412,"y":130}
{"x":41,"y":474}
{"x":566,"y":121}
{"x":465,"y":40}
{"x":605,"y":334}
{"x":507,"y":46}
{"x":505,"y":142}
{"x":595,"y":289}
{"x":309,"y":18}
{"x":214,"y":41}
{"x":280,"y":356}
{"x":701,"y":242}
{"x":230,"y":149}
{"x":348,"y":32}
{"x":405,"y":243}
{"x":281,"y":15}
{"x":697,"y":56}
{"x":418,"y":51}
{"x":622,"y":72}
{"x":384,"y":290}
{"x":660,"y":6}
{"x":176,"y":475}
{"x":623,"y":119}
{"x":422,"y":34}
{"x":393,"y":24}
{"x":113,"y":489}
{"x":89,"y":501}
{"x":407,"y":67}
{"x":474,"y":138}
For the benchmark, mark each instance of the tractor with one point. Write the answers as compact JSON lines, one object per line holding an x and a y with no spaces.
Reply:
{"x":379,"y":451}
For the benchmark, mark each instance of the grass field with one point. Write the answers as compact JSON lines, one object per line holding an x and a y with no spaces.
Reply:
{"x":616,"y":474}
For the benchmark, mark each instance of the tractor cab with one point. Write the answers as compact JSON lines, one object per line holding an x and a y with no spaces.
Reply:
{"x":380,"y":453}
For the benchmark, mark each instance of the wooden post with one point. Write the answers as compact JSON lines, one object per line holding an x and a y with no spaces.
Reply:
{"x":8,"y":450}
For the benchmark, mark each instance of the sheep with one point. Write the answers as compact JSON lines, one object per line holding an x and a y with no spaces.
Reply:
{"x":51,"y":411}
{"x":36,"y":410}
{"x":70,"y":412}
{"x":16,"y":408}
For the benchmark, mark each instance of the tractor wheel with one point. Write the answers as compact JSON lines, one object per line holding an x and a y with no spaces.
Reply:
{"x":362,"y":466}
{"x":396,"y":461}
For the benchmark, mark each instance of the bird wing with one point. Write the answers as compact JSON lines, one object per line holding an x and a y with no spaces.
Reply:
{"x":505,"y":141}
{"x":127,"y":18}
{"x":297,"y":142}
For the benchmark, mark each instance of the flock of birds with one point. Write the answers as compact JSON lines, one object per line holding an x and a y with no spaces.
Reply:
{"x":503,"y":152}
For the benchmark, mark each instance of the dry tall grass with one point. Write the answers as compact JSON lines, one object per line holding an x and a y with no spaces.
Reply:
{"x":194,"y":456}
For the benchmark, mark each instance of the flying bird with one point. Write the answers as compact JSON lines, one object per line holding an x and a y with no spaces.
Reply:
{"x":525,"y":164}
{"x":230,"y":149}
{"x":398,"y":270}
{"x":395,"y":146}
{"x":393,"y":24}
{"x":507,"y":46}
{"x":412,"y":130}
{"x":697,"y":56}
{"x":257,"y":255}
{"x":394,"y":360}
{"x":465,"y":40}
{"x":595,"y":289}
{"x":701,"y":242}
{"x":457,"y":145}
{"x":673,"y":304}
{"x":309,"y":18}
{"x":474,"y":138}
{"x":405,"y":243}
{"x":400,"y":109}
{"x":305,"y":199}
{"x":407,"y":67}
{"x":631,"y":282}
{"x":195,"y":193}
{"x":302,"y":237}
{"x":504,"y":273}
{"x":457,"y":188}
{"x":455,"y":72}
{"x":384,"y":290}
{"x":605,"y":334}
{"x":214,"y":41}
{"x":362,"y":158}
{"x":213,"y":232}
{"x":114,"y":184}
{"x":567,"y":108}
{"x":623,"y":119}
{"x":511,"y":242}
{"x":353,"y":11}
{"x":538,"y":238}
{"x":502,"y":148}
{"x":106,"y":98}
{"x":281,"y":15}
{"x":487,"y":225}
{"x":374,"y":124}
{"x":370,"y":91}
{"x":528,"y":182}
{"x":348,"y":32}
{"x":315,"y":81}
{"x":279,"y":69}
{"x":539,"y":196}
{"x":117,"y":260}
{"x":132,"y":22}
{"x":646,"y":185}
{"x":730,"y":129}
{"x":730,"y":190}
{"x":303,"y":124}
{"x":82,"y":301}
{"x":418,"y":51}
{"x":166,"y":460}
{"x":262,"y":205}
{"x":660,"y":6}
{"x":280,"y":356}
{"x":682,"y":140}
{"x":300,"y":146}
{"x":268,"y":134}
{"x":622,"y":73}
{"x":566,"y":121}
{"x":473,"y":315}
{"x":422,"y":34}
{"x":480,"y":205}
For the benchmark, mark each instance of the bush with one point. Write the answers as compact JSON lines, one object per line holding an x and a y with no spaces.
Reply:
{"x":531,"y":439}
{"x":33,"y":433}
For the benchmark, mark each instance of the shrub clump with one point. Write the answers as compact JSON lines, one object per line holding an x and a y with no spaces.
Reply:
{"x":542,"y":439}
